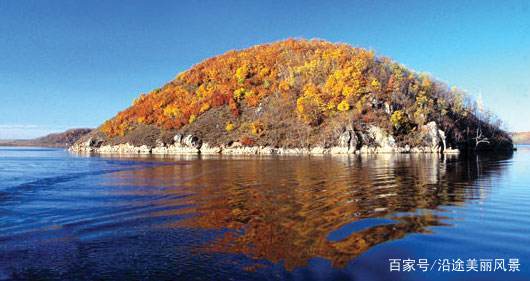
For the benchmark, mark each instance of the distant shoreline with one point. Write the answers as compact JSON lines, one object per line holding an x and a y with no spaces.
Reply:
{"x":25,"y":143}
{"x":521,"y":137}
{"x":56,"y":140}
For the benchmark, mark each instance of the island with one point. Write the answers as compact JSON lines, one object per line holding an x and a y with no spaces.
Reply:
{"x":299,"y":96}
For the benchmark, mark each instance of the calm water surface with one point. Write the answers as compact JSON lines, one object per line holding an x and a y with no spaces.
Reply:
{"x":71,"y":217}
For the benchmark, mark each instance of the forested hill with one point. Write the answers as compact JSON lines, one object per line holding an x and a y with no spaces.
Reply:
{"x":301,"y":93}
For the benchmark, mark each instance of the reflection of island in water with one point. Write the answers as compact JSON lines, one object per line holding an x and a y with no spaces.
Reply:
{"x":294,"y":209}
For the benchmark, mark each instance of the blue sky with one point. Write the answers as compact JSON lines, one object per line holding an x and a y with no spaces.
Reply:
{"x":71,"y":63}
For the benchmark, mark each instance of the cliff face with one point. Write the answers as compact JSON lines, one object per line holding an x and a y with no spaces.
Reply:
{"x":298,"y":95}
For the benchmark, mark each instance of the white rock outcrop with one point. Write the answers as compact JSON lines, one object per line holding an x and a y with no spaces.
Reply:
{"x":433,"y":137}
{"x":373,"y":140}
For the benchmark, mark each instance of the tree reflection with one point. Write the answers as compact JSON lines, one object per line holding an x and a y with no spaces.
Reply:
{"x":284,"y":209}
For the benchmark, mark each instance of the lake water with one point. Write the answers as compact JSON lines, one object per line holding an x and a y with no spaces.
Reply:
{"x":70,"y":217}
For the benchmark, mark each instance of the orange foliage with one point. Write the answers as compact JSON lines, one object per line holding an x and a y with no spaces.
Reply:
{"x":320,"y":74}
{"x":246,"y":141}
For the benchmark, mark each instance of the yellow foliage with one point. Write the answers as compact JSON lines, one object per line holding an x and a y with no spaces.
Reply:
{"x":239,"y":93}
{"x":375,"y":85}
{"x":309,"y":67}
{"x":347,"y":91}
{"x":308,"y":109}
{"x":359,"y":105}
{"x":333,"y":54}
{"x":192,"y":119}
{"x":204,"y":91}
{"x":310,"y":105}
{"x":397,"y":118}
{"x":250,"y":93}
{"x":422,"y":100}
{"x":284,"y":85}
{"x":360,"y":64}
{"x":171,"y":111}
{"x":204,"y":107}
{"x":312,"y":91}
{"x":229,"y":127}
{"x":241,"y":74}
{"x":343,"y":106}
{"x":331,"y":105}
{"x":300,"y":105}
{"x":346,"y":82}
{"x":264,"y":72}
{"x":256,"y":128}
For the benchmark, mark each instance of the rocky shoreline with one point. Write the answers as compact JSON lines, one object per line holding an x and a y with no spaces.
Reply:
{"x":373,"y":141}
{"x":250,"y":150}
